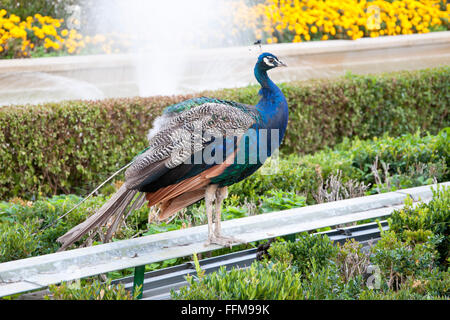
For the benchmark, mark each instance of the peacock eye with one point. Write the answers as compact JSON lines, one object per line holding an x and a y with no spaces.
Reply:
{"x":270,"y":61}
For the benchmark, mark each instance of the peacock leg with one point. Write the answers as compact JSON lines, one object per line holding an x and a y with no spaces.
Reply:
{"x":221,"y":194}
{"x":210,"y":195}
{"x":218,"y":238}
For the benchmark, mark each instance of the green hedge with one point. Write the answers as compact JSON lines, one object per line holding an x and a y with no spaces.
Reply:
{"x":71,"y":146}
{"x":413,"y":159}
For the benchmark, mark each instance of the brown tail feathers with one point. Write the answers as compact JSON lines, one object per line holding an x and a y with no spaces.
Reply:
{"x":114,"y":207}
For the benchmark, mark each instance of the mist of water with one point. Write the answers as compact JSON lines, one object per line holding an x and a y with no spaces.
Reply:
{"x":165,"y":40}
{"x":39,"y":87}
{"x":165,"y":35}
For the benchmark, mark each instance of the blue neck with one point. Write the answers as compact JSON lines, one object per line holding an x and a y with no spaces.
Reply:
{"x":264,"y":80}
{"x":272,"y":107}
{"x":272,"y":100}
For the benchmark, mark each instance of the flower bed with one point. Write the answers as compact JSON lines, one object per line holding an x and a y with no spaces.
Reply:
{"x":296,"y":21}
{"x":270,"y":21}
{"x":40,"y":35}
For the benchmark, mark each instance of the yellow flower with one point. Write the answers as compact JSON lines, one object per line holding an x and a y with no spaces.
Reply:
{"x":18,"y":33}
{"x":14,"y":18}
{"x":38,"y":33}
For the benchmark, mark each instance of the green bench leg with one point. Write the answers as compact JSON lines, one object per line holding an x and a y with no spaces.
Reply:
{"x":139,"y":280}
{"x":290,"y":237}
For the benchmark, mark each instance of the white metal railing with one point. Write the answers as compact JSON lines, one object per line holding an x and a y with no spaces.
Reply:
{"x":39,"y":272}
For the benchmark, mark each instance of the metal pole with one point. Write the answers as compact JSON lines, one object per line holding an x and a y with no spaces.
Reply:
{"x":139,"y":280}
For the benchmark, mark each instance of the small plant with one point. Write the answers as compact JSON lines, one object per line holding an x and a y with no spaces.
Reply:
{"x":94,"y":290}
{"x":306,"y":252}
{"x":378,"y":181}
{"x":281,"y":200}
{"x":351,"y":260}
{"x":334,"y":189}
{"x":418,"y":174}
{"x":400,"y":260}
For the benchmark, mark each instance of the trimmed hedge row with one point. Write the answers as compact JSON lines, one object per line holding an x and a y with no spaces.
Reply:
{"x":413,"y":159}
{"x":71,"y":146}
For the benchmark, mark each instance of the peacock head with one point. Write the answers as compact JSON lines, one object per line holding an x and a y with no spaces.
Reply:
{"x":267,"y":61}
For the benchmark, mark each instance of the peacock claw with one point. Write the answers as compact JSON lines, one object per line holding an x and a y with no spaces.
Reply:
{"x":223,"y":240}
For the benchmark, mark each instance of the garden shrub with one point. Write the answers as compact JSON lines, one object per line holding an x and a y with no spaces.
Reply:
{"x":17,"y":241}
{"x":258,"y":282}
{"x":71,"y":146}
{"x":402,"y":154}
{"x":308,"y":252}
{"x":416,"y":244}
{"x":31,"y":228}
{"x":433,"y":285}
{"x":268,"y":281}
{"x":281,"y":200}
{"x":399,"y":260}
{"x":351,"y":260}
{"x":416,"y":224}
{"x":327,"y":283}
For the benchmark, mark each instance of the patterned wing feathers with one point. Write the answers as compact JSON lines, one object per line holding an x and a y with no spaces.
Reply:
{"x":184,"y":134}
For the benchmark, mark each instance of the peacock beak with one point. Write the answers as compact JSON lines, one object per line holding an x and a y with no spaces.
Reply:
{"x":281,"y":64}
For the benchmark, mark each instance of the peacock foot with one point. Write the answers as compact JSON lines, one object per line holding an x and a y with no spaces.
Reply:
{"x":223,"y":240}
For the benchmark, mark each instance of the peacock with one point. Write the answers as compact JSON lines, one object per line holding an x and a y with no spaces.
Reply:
{"x":196,"y":149}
